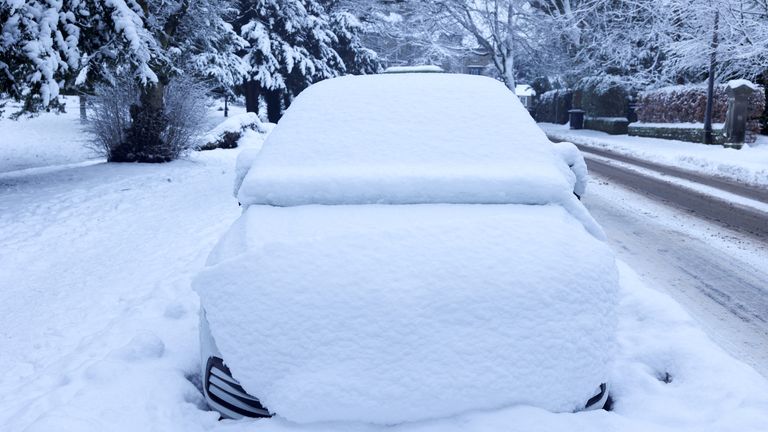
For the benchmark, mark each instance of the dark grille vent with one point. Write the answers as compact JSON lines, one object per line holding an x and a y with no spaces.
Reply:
{"x":225,"y":391}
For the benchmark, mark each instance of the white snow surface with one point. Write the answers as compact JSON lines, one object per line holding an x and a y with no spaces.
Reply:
{"x":748,"y":165}
{"x":234,"y":123}
{"x":742,"y":82}
{"x":575,"y":160}
{"x":45,"y":140}
{"x":99,"y":326}
{"x":388,"y":314}
{"x":409,"y":139}
{"x":406,"y":139}
{"x":414,"y":69}
{"x":690,"y":125}
{"x":524,"y":90}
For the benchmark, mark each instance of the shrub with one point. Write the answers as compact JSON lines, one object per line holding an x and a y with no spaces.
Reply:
{"x":228,"y":133}
{"x":553,"y":106}
{"x":115,"y":107}
{"x":609,"y":125}
{"x":600,"y":100}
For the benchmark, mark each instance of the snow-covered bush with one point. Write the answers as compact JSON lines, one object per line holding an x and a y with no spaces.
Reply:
{"x":228,"y":133}
{"x":602,"y":97}
{"x":115,"y":107}
{"x":553,"y":106}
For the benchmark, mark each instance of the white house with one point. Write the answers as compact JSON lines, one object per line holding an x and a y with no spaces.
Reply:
{"x":526,"y":94}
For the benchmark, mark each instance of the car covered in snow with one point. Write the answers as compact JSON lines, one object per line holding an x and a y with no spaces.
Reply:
{"x":410,"y":248}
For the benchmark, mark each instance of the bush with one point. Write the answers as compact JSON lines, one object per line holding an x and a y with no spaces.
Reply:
{"x":115,"y":108}
{"x":600,"y":98}
{"x":687,"y":104}
{"x":609,"y":125}
{"x":553,"y":106}
{"x":228,"y":133}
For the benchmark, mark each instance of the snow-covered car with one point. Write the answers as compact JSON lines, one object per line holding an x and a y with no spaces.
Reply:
{"x":410,"y":248}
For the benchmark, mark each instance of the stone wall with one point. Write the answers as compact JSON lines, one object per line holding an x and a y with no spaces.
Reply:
{"x":693,"y":134}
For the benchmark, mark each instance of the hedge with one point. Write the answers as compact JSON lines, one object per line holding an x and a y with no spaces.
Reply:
{"x":597,"y":101}
{"x":687,"y":104}
{"x":609,"y":125}
{"x":553,"y":106}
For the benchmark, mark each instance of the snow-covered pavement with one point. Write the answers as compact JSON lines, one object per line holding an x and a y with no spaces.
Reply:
{"x":748,"y":165}
{"x":98,"y":323}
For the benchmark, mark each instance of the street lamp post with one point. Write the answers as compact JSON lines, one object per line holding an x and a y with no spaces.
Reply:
{"x":711,"y":82}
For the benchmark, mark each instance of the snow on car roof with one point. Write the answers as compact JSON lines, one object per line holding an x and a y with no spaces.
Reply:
{"x":406,"y":138}
{"x":387,"y":314}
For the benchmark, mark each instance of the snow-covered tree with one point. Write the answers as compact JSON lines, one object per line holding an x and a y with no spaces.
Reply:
{"x":294,"y":43}
{"x":357,"y":58}
{"x":39,"y":49}
{"x":510,"y":32}
{"x":47,"y":45}
{"x":741,"y":29}
{"x":651,"y":43}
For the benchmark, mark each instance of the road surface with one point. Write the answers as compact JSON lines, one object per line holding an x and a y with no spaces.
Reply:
{"x":709,"y":254}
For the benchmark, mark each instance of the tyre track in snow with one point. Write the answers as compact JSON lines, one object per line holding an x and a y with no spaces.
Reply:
{"x":730,"y":215}
{"x":742,"y":189}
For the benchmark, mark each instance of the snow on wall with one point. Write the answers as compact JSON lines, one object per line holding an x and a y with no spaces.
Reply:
{"x":388,"y":314}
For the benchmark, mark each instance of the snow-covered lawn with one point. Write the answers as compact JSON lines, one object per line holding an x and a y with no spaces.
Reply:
{"x":45,"y":140}
{"x":98,"y":323}
{"x":748,"y":165}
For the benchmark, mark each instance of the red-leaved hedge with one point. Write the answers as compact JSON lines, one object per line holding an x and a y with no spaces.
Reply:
{"x":686,"y":104}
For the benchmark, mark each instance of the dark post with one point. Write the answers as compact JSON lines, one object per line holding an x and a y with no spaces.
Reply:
{"x":274,"y":101}
{"x":252,"y":90}
{"x":711,"y":82}
{"x":83,"y":105}
{"x":226,"y":105}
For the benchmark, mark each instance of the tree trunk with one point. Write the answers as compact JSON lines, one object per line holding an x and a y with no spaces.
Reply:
{"x":83,"y":111}
{"x":708,"y":139}
{"x":509,"y":59}
{"x":274,"y":105}
{"x":252,"y":91}
{"x":144,"y":140}
{"x":226,"y":105}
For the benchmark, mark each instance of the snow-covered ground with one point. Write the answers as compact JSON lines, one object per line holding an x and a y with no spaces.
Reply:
{"x":98,"y":323}
{"x":747,"y":165}
{"x":45,"y":140}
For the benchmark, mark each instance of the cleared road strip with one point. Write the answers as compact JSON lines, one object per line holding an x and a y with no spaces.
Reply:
{"x":724,"y":207}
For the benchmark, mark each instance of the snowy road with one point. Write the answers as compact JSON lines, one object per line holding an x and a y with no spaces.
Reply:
{"x":717,"y":274}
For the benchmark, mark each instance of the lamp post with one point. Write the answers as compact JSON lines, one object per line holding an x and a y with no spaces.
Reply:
{"x":711,"y":82}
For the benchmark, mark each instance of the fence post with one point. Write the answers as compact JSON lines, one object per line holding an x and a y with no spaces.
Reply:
{"x":738,"y":106}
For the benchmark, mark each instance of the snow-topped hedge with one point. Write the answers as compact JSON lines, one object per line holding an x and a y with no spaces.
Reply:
{"x":228,"y":133}
{"x":687,"y":104}
{"x":553,"y":106}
